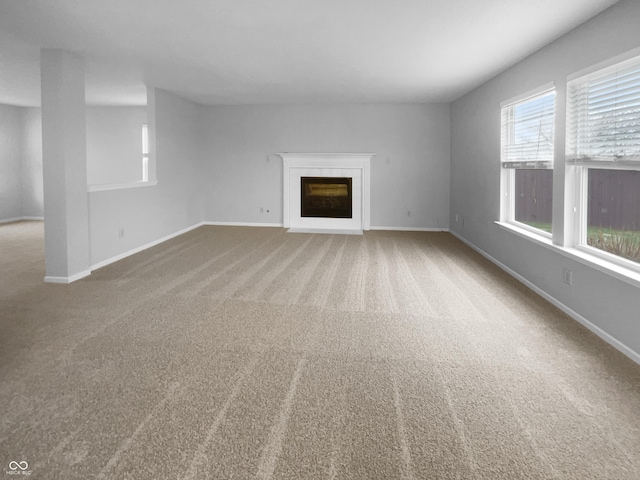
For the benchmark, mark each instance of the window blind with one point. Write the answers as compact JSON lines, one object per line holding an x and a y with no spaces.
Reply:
{"x":604,"y":116}
{"x":527,"y":132}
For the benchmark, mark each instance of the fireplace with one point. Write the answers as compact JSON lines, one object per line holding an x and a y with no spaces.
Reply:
{"x":326,"y":192}
{"x":327,"y":197}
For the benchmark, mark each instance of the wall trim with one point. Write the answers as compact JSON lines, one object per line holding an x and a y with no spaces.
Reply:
{"x":328,"y":231}
{"x":611,"y":340}
{"x":243,"y":224}
{"x":70,"y":279}
{"x":120,"y":186}
{"x":12,"y":219}
{"x":139,"y":249}
{"x":280,"y":225}
{"x":411,"y":229}
{"x":19,"y":219}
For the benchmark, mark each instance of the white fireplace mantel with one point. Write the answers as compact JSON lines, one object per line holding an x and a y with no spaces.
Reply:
{"x":354,"y":165}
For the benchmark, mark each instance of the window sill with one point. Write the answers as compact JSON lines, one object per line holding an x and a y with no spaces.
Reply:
{"x":523,"y":232}
{"x":613,"y":269}
{"x":120,"y":186}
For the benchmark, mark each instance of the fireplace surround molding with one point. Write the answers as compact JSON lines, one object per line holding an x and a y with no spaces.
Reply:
{"x":353,"y":165}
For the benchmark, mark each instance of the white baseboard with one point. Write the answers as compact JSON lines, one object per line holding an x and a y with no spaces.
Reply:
{"x":243,"y":224}
{"x":250,"y":224}
{"x":411,"y":229}
{"x":139,"y":249}
{"x":9,"y":220}
{"x":72,"y":278}
{"x":19,"y":219}
{"x":614,"y":342}
{"x":330,"y":231}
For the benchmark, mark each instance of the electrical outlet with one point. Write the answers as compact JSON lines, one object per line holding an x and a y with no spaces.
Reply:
{"x":456,"y":218}
{"x":121,"y":232}
{"x":408,"y":213}
{"x":567,"y":276}
{"x":261,"y":210}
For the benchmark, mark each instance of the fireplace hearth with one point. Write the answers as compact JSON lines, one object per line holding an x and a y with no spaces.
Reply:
{"x":327,"y":197}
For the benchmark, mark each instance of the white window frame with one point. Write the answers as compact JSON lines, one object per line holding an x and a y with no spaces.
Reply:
{"x":145,"y":152}
{"x":507,"y":177}
{"x":581,"y":182}
{"x":578,"y":170}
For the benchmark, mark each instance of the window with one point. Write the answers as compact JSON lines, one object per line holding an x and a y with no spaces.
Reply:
{"x":145,"y":153}
{"x":603,"y":148}
{"x":527,"y":160}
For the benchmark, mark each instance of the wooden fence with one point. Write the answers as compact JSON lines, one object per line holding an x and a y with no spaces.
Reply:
{"x":614,"y":198}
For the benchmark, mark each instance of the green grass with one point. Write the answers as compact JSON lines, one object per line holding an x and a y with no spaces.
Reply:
{"x":545,"y":227}
{"x":623,"y":243}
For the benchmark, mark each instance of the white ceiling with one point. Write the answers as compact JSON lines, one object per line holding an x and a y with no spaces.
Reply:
{"x":280,"y":51}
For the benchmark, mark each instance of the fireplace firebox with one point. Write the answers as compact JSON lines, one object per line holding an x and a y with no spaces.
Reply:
{"x":328,"y":197}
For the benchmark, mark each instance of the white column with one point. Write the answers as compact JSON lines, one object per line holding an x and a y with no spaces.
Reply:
{"x":66,"y":209}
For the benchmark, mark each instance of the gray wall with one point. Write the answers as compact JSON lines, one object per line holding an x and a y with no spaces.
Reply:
{"x":242,"y":174}
{"x":150,"y":213}
{"x":114,"y":144}
{"x":21,"y":193}
{"x":10,"y":162}
{"x":609,"y":303}
{"x":32,"y":189}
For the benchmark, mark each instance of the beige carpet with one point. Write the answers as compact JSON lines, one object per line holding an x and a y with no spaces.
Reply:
{"x":241,"y":353}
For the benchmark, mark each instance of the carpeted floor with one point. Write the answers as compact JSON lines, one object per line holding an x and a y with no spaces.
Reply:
{"x":240,"y":353}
